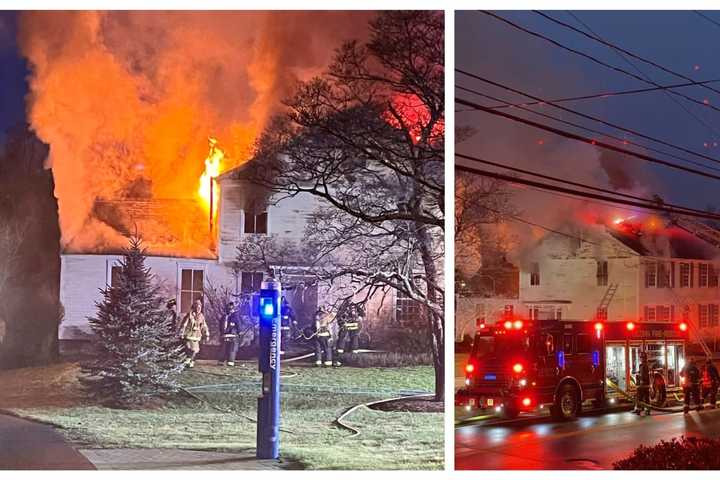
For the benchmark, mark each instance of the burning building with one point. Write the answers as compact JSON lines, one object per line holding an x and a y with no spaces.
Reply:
{"x":637,"y":269}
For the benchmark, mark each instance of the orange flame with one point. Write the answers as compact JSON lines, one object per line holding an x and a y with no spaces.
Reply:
{"x":208,"y":186}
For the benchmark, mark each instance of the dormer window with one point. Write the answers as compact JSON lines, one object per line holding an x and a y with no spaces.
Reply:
{"x":256,"y":223}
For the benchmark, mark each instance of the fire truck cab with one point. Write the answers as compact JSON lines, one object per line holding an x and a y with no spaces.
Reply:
{"x":521,"y":366}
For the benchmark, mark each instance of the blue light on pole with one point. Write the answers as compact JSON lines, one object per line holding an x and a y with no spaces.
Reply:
{"x":268,"y":426}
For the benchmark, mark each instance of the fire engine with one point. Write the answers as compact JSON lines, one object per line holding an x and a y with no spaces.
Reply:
{"x":523,"y":366}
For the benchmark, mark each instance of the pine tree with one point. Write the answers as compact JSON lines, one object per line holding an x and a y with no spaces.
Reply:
{"x":138,"y":355}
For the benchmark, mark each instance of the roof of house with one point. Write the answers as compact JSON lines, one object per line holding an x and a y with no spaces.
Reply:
{"x":670,"y":241}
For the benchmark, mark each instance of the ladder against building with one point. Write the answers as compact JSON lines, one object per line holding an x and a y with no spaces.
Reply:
{"x":693,"y":327}
{"x":705,"y":232}
{"x":602,"y":309}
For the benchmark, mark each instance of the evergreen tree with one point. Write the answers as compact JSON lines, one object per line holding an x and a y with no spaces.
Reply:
{"x":138,"y":353}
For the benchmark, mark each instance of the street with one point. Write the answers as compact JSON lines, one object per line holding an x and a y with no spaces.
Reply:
{"x":590,"y":442}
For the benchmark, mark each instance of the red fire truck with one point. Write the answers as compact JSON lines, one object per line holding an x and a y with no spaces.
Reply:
{"x":564,"y":366}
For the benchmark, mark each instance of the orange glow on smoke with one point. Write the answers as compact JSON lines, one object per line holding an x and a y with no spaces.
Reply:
{"x":213,"y":166}
{"x":411,"y":114}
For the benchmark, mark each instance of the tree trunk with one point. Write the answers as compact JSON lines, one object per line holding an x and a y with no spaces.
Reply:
{"x":436,"y":321}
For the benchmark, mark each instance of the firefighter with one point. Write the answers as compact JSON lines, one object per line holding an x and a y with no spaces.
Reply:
{"x":323,"y":337}
{"x":287,"y":323}
{"x":171,"y":313}
{"x":193,"y":329}
{"x":230,"y":333}
{"x":711,"y":379}
{"x":690,"y":380}
{"x":642,"y":396}
{"x":349,"y":324}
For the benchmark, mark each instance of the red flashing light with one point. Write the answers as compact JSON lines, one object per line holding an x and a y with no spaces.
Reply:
{"x":469,"y":368}
{"x":518,"y":324}
{"x":630,"y":326}
{"x":683,"y":327}
{"x":508,"y":325}
{"x":598,"y":326}
{"x":482,"y":325}
{"x":526,"y":402}
{"x":518,"y":368}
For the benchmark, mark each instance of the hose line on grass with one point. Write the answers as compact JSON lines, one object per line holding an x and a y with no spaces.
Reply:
{"x":355,"y":432}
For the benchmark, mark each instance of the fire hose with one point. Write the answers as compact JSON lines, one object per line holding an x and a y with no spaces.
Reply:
{"x":355,"y":432}
{"x":628,"y":396}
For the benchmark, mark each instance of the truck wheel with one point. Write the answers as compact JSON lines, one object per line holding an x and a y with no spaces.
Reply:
{"x":510,"y":413}
{"x":567,"y":404}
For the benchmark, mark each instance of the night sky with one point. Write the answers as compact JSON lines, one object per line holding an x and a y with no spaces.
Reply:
{"x":13,"y":71}
{"x":681,"y":41}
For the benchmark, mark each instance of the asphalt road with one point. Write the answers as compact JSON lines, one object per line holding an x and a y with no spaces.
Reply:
{"x":592,"y":442}
{"x":26,"y":445}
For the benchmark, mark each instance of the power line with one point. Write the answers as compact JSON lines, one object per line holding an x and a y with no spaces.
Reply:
{"x":615,"y":93}
{"x":589,"y":117}
{"x":677,"y":102}
{"x":582,"y":194}
{"x":587,"y":140}
{"x":593,"y":59}
{"x":619,"y":49}
{"x":574,"y":184}
{"x":707,"y":18}
{"x":591,"y":130}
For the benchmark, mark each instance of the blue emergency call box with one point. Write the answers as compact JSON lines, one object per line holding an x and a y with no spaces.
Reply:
{"x":268,"y":426}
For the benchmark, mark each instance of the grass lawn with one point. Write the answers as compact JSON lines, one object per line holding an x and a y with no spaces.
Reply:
{"x":312,"y":399}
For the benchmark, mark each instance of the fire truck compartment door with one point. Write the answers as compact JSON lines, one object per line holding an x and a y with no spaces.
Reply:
{"x":615,"y":370}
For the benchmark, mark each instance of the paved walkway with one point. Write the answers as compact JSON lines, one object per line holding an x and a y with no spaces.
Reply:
{"x":172,"y":459}
{"x":26,"y":445}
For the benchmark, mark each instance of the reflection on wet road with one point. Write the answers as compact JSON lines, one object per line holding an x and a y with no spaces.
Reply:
{"x":592,"y":442}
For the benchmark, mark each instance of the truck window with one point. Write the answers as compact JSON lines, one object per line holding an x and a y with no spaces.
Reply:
{"x":568,"y":344}
{"x":583,"y":343}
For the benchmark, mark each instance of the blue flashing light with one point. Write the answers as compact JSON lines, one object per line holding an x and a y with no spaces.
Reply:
{"x":596,"y":358}
{"x":268,"y":305}
{"x":561,"y":359}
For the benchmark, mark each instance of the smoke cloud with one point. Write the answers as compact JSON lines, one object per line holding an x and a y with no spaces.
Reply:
{"x":128,"y":99}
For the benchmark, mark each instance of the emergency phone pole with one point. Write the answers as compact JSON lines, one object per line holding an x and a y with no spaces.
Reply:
{"x":268,"y":425}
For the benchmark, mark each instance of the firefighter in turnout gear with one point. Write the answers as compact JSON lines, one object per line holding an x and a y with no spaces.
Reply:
{"x":349,"y":324}
{"x":690,"y":380}
{"x":642,"y":395}
{"x":230,"y":333}
{"x":711,"y":379}
{"x":193,"y":329}
{"x":287,"y":324}
{"x":323,"y":337}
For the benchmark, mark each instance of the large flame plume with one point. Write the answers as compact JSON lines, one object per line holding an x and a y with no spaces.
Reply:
{"x":126,"y":100}
{"x":207,"y":190}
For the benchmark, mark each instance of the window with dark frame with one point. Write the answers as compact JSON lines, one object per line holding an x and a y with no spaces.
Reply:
{"x":256,"y":223}
{"x":407,"y":310}
{"x":534,"y":274}
{"x":650,"y":274}
{"x":602,"y":273}
{"x":702,"y":275}
{"x":713,"y":315}
{"x":686,"y":275}
{"x":712,"y":275}
{"x":703,"y":316}
{"x":115,"y":271}
{"x":192,"y":282}
{"x":250,"y":281}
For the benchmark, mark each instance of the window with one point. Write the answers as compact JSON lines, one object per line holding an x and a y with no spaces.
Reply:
{"x":256,"y":223}
{"x":534,"y":312}
{"x":703,"y":315}
{"x":602,"y":273}
{"x":191,"y":287}
{"x":568,"y":344}
{"x":664,"y":313}
{"x":583,"y":343}
{"x":407,"y":310}
{"x":686,"y":275}
{"x":666,"y":275}
{"x":601,"y":314}
{"x":650,"y":314}
{"x":650,"y":274}
{"x":712,"y":275}
{"x":686,"y":313}
{"x":713,"y":315}
{"x":702,"y":275}
{"x":534,"y":274}
{"x":250,"y":281}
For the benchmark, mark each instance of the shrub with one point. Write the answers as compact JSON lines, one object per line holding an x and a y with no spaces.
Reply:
{"x":684,"y":454}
